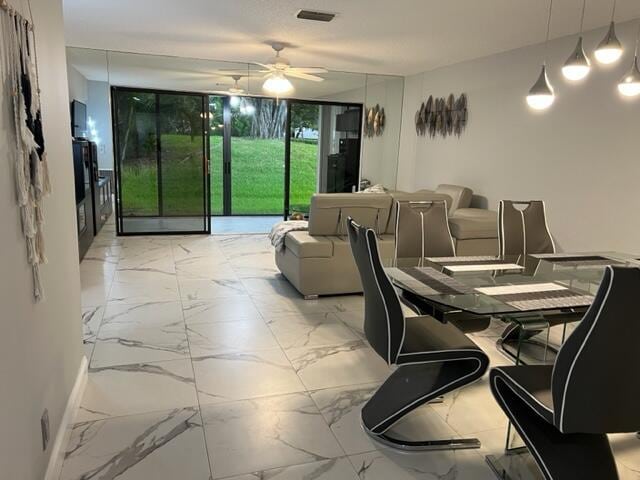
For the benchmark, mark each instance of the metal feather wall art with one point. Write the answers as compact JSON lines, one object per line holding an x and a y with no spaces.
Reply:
{"x":442,"y":116}
{"x":374,"y":122}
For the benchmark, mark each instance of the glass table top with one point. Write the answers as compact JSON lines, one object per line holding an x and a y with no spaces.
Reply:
{"x":514,"y":285}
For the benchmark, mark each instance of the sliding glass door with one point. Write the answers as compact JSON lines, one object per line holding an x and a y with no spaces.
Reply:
{"x":162,"y":174}
{"x":323,"y":151}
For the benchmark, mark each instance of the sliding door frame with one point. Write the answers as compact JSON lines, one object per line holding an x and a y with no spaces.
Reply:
{"x":287,"y":147}
{"x":117,"y":161}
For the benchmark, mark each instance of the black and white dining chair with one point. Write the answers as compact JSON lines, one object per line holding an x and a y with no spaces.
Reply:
{"x":422,"y":230}
{"x":432,"y":358}
{"x":523,"y":231}
{"x":563,"y":412}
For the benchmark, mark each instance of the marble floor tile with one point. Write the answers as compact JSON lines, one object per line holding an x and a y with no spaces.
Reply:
{"x":237,"y":376}
{"x":271,"y":306}
{"x":334,"y":366}
{"x":197,"y":247}
{"x":472,"y":409}
{"x":91,"y":321}
{"x":206,"y":339}
{"x":144,"y":315}
{"x":354,"y":320}
{"x":273,"y":285}
{"x":119,"y":344}
{"x":141,"y":286}
{"x":385,"y":464}
{"x":205,"y":268}
{"x":312,"y":330}
{"x":133,"y":389}
{"x":334,"y":469}
{"x":342,"y":407}
{"x":262,"y":434}
{"x":228,"y":309}
{"x":159,"y":446}
{"x":95,"y":288}
{"x":210,"y":289}
{"x":626,"y":448}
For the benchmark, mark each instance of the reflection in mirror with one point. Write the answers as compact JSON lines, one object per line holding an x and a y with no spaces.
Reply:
{"x":247,"y":125}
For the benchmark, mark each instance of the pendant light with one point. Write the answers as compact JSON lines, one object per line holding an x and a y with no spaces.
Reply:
{"x":629,"y":86}
{"x":541,"y":95}
{"x":577,"y":65}
{"x":609,"y":50}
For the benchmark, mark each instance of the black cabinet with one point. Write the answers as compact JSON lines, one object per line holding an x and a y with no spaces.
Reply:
{"x":93,"y":193}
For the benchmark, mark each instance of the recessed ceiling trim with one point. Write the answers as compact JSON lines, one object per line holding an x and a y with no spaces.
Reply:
{"x":315,"y":16}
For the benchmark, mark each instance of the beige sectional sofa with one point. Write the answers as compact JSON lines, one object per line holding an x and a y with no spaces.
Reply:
{"x":319,"y":261}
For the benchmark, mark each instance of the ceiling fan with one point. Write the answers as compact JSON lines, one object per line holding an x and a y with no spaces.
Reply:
{"x":234,"y":89}
{"x":278,"y":68}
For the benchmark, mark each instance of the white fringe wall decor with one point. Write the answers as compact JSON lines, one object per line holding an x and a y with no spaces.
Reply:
{"x":19,"y":77}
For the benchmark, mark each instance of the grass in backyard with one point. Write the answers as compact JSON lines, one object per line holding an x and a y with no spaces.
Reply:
{"x":257,"y":184}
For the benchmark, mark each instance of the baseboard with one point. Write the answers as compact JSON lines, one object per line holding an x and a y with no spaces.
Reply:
{"x":62,"y":436}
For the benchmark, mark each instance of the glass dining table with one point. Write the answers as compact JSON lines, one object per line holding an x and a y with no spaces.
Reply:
{"x":530,"y":294}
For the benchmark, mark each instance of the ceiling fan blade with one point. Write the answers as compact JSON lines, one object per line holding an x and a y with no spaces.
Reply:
{"x":268,"y":67}
{"x":303,"y":76}
{"x":310,"y":69}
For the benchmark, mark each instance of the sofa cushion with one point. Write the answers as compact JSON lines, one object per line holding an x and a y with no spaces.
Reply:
{"x":329,"y":212}
{"x":460,"y":196}
{"x":303,"y":245}
{"x":469,"y":223}
{"x":386,"y":247}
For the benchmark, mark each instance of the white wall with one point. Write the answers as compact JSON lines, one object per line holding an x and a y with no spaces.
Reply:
{"x":40,"y":344}
{"x":78,"y":85}
{"x":99,"y":110}
{"x":380,"y":153}
{"x":582,"y":156}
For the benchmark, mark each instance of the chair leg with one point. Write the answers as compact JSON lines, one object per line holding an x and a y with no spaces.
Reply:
{"x":413,"y":385}
{"x":558,"y":455}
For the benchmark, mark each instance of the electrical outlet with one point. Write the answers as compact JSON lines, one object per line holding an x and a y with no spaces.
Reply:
{"x":44,"y":426}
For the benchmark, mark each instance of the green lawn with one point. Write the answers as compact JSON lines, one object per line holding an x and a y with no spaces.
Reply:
{"x":257,"y":184}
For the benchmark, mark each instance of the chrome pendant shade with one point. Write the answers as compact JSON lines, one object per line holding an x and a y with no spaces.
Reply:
{"x":609,"y":50}
{"x":577,"y":65}
{"x":629,"y":86}
{"x":541,"y":95}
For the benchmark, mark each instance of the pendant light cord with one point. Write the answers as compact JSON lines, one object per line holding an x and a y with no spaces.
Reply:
{"x":637,"y":40}
{"x":613,"y":11}
{"x":584,"y":6}
{"x":546,"y":41}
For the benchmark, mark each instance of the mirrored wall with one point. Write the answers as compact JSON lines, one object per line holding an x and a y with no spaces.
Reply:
{"x":263,"y":155}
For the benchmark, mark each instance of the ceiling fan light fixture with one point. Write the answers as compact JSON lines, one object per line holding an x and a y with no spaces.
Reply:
{"x":234,"y":101}
{"x":277,"y":84}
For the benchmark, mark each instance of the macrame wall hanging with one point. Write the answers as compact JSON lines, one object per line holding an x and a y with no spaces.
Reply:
{"x":20,"y":85}
{"x":440,"y":116}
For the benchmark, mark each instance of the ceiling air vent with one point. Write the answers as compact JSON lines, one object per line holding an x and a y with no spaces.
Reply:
{"x":315,"y":16}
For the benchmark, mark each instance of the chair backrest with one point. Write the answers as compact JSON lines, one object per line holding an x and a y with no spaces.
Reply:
{"x":596,"y":385}
{"x":422,"y":230}
{"x":328,"y":212}
{"x":384,"y":322}
{"x":523,"y":231}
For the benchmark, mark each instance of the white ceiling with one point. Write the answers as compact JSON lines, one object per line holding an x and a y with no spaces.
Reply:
{"x":378,"y":36}
{"x":211,"y":76}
